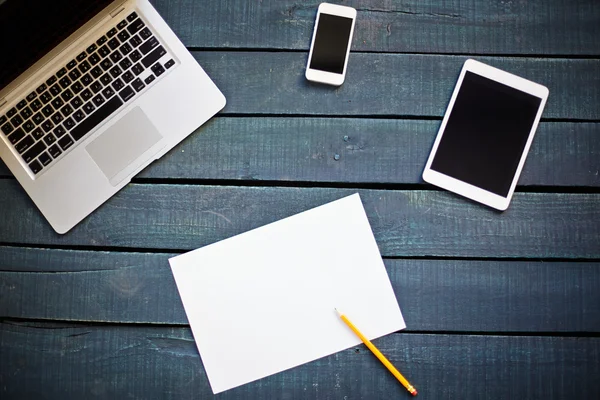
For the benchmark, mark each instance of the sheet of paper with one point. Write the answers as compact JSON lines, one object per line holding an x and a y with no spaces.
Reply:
{"x":263,"y":301}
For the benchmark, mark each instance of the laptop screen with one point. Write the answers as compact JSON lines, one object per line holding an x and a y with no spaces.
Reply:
{"x":29,"y":29}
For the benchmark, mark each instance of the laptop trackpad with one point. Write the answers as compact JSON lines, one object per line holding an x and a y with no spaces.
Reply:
{"x":118,"y":150}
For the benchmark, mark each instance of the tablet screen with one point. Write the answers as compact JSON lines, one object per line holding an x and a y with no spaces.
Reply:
{"x":486,"y":134}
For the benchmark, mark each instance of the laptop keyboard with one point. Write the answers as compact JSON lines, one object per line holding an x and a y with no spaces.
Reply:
{"x":87,"y":90}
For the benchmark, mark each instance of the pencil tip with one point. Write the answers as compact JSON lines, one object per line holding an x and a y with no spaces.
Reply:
{"x":338,"y":311}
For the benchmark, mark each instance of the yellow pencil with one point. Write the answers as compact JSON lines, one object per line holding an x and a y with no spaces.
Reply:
{"x":378,"y":354}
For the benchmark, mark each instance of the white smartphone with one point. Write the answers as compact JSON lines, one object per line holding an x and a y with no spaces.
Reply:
{"x":330,"y":45}
{"x":485,"y":135}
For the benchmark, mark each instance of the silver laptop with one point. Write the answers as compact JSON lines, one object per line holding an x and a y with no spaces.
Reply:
{"x":91,"y":92}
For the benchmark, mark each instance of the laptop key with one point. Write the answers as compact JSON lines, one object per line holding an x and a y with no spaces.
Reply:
{"x":54,"y":90}
{"x":138,"y":85}
{"x":106,"y":79}
{"x":96,"y":87}
{"x":84,"y":67}
{"x":96,"y":72}
{"x":67,"y":95}
{"x":169,"y":63}
{"x":16,"y":121}
{"x":7,"y":128}
{"x":132,"y":16}
{"x":98,"y":100}
{"x":88,"y":108}
{"x":125,"y":64}
{"x":71,"y":64}
{"x":3,"y":119}
{"x":81,"y":56}
{"x":112,"y":32}
{"x":122,"y":24}
{"x":74,"y":75}
{"x":91,"y":49}
{"x":135,"y":26}
{"x":113,"y":43}
{"x":76,"y":102}
{"x":11,"y":113}
{"x":127,"y":93}
{"x":51,"y":81}
{"x":57,"y":118}
{"x":77,"y":87}
{"x":116,"y":57}
{"x":24,"y":144}
{"x":108,"y":92}
{"x":145,"y":33}
{"x":154,"y":56}
{"x":41,"y":88}
{"x":21,"y":105}
{"x":68,"y":124}
{"x":61,"y":72}
{"x":36,"y":105}
{"x":127,"y":77}
{"x":94,"y":59}
{"x":104,"y":51}
{"x":35,"y":167}
{"x":34,"y":151}
{"x":86,"y":79}
{"x":31,"y":96}
{"x":115,"y":71}
{"x":26,"y":113}
{"x":123,"y":36}
{"x":55,"y":151}
{"x":65,"y":82}
{"x":118,"y":84}
{"x":135,"y":56}
{"x":50,"y":138}
{"x":96,"y":118}
{"x":45,"y":97}
{"x":67,"y":110}
{"x":149,"y":45}
{"x":125,"y":48}
{"x":79,"y":115}
{"x":45,"y":159}
{"x":86,"y":95}
{"x":59,"y":131}
{"x":137,"y":69}
{"x":65,"y":142}
{"x":47,"y":125}
{"x":101,"y":41}
{"x":37,"y":133}
{"x":57,"y":102}
{"x":48,"y":110}
{"x":38,"y":118}
{"x":106,"y":64}
{"x":17,"y":135}
{"x":28,"y":126}
{"x":157,"y":69}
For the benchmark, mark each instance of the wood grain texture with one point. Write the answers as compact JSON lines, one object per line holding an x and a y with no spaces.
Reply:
{"x":90,"y":362}
{"x":415,"y":26}
{"x":405,"y":223}
{"x":375,"y":151}
{"x":388,"y":84}
{"x":435,"y":295}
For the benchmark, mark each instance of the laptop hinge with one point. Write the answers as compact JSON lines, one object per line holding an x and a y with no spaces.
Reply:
{"x":116,"y":12}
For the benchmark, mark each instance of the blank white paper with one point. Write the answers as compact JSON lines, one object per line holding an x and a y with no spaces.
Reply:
{"x":263,"y":301}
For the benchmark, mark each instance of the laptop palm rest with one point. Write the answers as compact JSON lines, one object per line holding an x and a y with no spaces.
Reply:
{"x":125,"y":146}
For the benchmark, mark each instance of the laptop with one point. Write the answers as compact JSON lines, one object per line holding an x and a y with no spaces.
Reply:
{"x":91,"y":92}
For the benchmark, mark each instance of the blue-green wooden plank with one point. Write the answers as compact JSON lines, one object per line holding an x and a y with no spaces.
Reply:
{"x":388,"y":84}
{"x":50,"y":362}
{"x":405,"y":223}
{"x":414,"y":26}
{"x":370,"y":151}
{"x":435,"y":295}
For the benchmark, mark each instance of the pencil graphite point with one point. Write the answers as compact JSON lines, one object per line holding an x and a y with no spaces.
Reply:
{"x":338,"y":311}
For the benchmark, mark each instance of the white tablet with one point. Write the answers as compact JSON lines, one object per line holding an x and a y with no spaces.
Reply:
{"x":485,"y":135}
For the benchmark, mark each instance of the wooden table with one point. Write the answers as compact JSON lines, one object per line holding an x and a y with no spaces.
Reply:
{"x":498,"y":305}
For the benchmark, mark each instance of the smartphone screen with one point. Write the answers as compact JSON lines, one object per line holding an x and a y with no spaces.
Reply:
{"x":331,"y":43}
